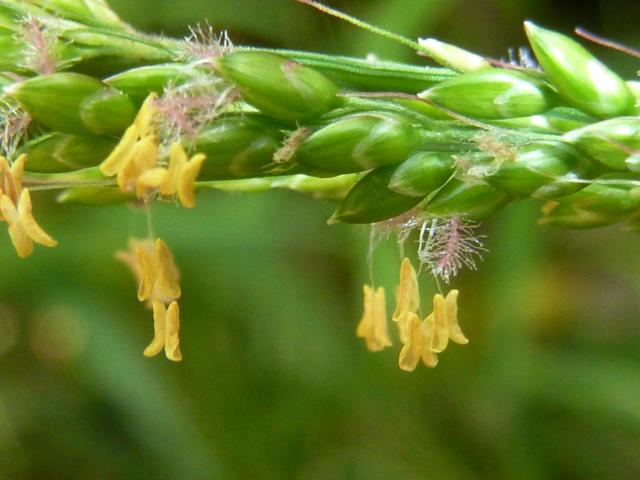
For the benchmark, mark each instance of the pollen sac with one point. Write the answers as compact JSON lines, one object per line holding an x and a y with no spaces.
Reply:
{"x":407,"y":298}
{"x":166,"y":329}
{"x":542,"y":171}
{"x":359,"y":142}
{"x":416,"y":345}
{"x":277,"y":86}
{"x":23,"y":228}
{"x":580,"y":78}
{"x":610,"y":142}
{"x":493,"y":94}
{"x":373,"y":325}
{"x":422,"y":173}
{"x":371,"y":200}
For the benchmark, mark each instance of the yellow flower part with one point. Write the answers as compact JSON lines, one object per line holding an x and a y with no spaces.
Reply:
{"x":166,"y":330}
{"x":23,"y":228}
{"x":426,"y":338}
{"x":373,"y":325}
{"x":407,"y":298}
{"x":417,"y":345}
{"x":123,"y":153}
{"x":440,"y":338}
{"x":136,"y":152}
{"x":153,"y":266}
{"x":179,"y":178}
{"x":159,"y":278}
{"x":11,"y":177}
{"x":143,"y":156}
{"x":451,"y":311}
{"x":154,"y":269}
{"x":445,"y":312}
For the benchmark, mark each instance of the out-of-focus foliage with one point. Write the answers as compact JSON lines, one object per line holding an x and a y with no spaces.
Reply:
{"x":274,"y":383}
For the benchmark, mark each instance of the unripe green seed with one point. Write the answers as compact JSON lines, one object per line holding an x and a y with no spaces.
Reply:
{"x":609,"y":142}
{"x":90,"y":12}
{"x":62,"y":152}
{"x":632,"y":225}
{"x":475,"y":201}
{"x":493,"y":94}
{"x":13,"y":53}
{"x":451,"y":56}
{"x":137,"y":83}
{"x":422,"y":173}
{"x":74,"y":103}
{"x":240,"y":148}
{"x":542,"y":170}
{"x":634,"y":88}
{"x":596,"y":205}
{"x":128,"y":48}
{"x":279,"y":87}
{"x":580,"y":78}
{"x":359,"y":142}
{"x":371,"y":200}
{"x":94,"y":196}
{"x":633,"y":163}
{"x":557,"y":120}
{"x":363,"y":75}
{"x":107,"y":112}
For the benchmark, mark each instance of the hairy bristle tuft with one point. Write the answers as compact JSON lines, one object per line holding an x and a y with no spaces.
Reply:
{"x":40,"y":42}
{"x":204,"y":43}
{"x":448,"y":245}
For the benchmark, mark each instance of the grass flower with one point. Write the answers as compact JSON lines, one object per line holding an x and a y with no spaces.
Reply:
{"x":135,"y":162}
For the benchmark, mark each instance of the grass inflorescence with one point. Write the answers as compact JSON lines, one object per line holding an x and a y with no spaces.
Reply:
{"x":404,"y":147}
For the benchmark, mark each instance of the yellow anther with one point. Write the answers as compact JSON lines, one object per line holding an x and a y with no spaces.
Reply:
{"x":413,"y":344}
{"x":159,"y":279}
{"x":407,"y":298}
{"x":416,"y":347}
{"x":187,"y":180}
{"x":451,"y":312}
{"x":144,"y":118}
{"x":159,"y":330}
{"x":23,"y":228}
{"x":440,"y":338}
{"x":172,"y":333}
{"x":429,"y":357}
{"x":373,"y":325}
{"x":153,"y":266}
{"x":122,"y":153}
{"x":179,"y":178}
{"x":166,"y":330}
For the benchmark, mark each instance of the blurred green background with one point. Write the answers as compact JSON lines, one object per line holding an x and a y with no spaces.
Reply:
{"x":274,"y":383}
